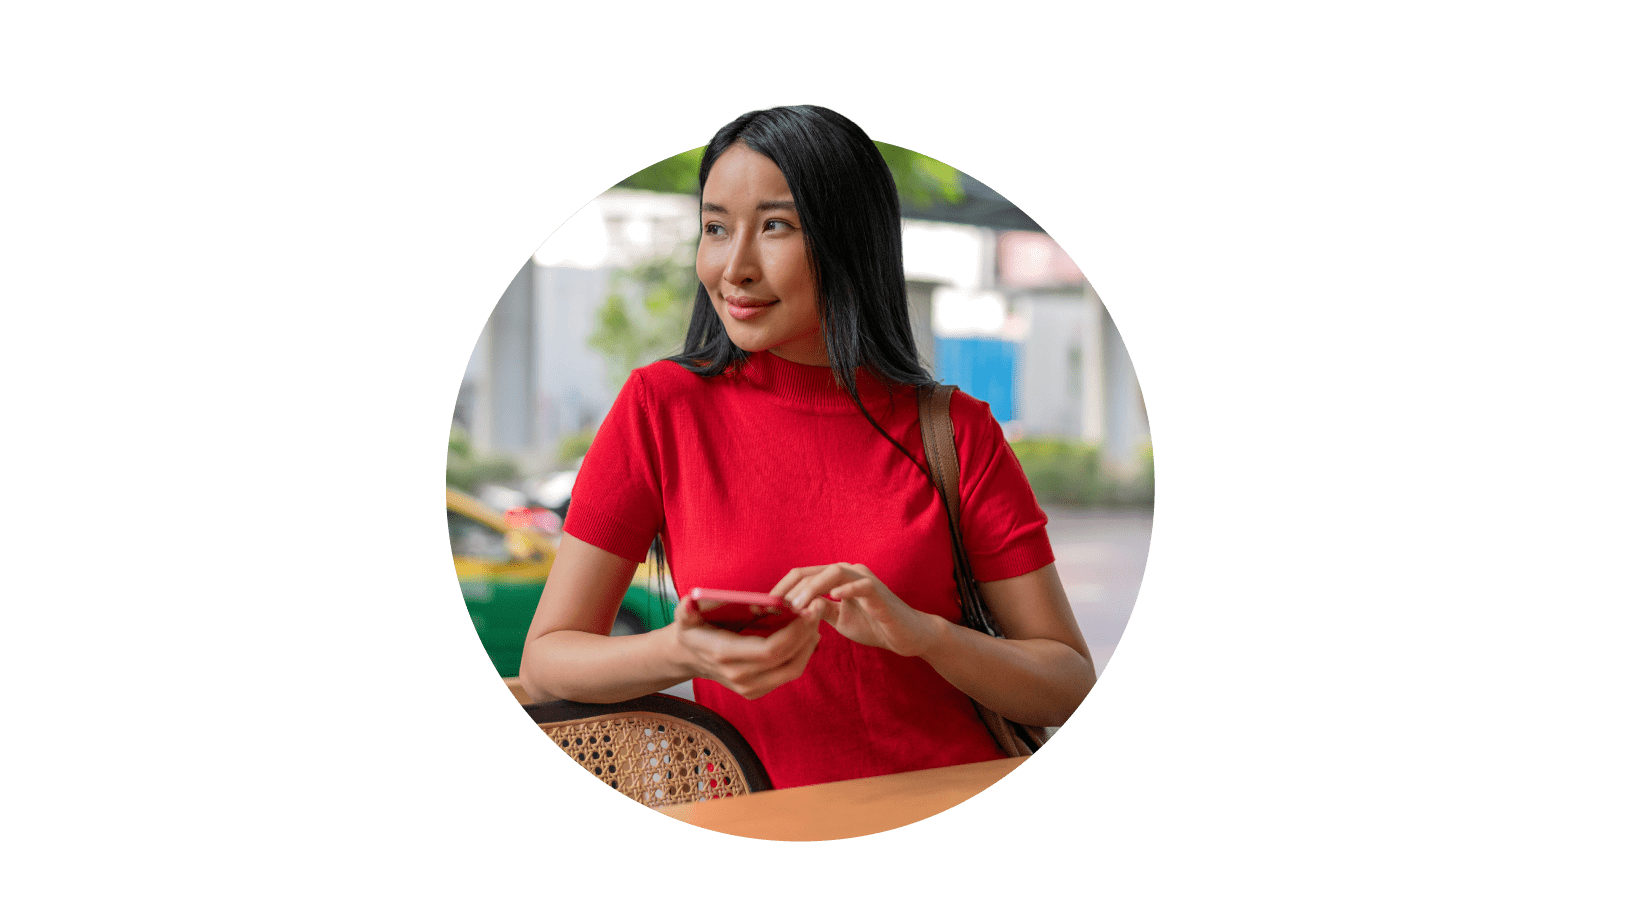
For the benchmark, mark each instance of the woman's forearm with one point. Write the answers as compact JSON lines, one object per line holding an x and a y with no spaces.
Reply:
{"x":1037,"y":681}
{"x":583,"y":667}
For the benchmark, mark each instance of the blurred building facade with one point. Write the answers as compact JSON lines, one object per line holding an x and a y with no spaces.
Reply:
{"x":1001,"y":312}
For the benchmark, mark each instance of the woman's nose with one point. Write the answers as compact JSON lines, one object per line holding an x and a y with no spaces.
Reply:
{"x":742,"y":266}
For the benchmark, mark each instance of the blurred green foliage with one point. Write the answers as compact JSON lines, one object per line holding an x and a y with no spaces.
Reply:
{"x":460,"y":444}
{"x":1141,"y":489}
{"x":630,"y":337}
{"x":1061,"y":471}
{"x":1069,"y":472}
{"x":465,"y":469}
{"x":674,"y":174}
{"x":920,"y":179}
{"x":574,"y":446}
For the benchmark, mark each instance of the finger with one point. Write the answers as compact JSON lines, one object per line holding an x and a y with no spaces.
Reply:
{"x":720,"y":647}
{"x":803,"y":588}
{"x":810,"y":646}
{"x":794,"y":576}
{"x":739,"y":651}
{"x":865,"y":587}
{"x":791,"y":669}
{"x":791,"y":578}
{"x":755,"y":679}
{"x":800,"y":661}
{"x":787,"y":671}
{"x":824,"y":610}
{"x":789,"y":638}
{"x":819,"y":584}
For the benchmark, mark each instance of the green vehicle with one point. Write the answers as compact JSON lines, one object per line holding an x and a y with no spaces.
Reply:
{"x":502,"y":569}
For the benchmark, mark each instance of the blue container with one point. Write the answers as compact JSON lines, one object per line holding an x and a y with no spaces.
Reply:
{"x":980,"y":367}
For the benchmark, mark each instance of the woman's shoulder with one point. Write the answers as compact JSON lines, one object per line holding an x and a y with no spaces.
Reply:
{"x":969,"y":414}
{"x":665,"y":379}
{"x":978,"y":435}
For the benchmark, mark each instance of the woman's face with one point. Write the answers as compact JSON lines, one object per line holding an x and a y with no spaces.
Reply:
{"x":754,"y":262}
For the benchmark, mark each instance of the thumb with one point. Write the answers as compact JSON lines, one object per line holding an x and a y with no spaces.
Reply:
{"x":686,"y":613}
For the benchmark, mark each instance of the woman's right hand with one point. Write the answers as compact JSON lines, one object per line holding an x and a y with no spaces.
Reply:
{"x":748,"y":665}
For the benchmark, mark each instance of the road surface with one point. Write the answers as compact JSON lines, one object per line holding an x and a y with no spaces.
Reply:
{"x":1101,"y":556}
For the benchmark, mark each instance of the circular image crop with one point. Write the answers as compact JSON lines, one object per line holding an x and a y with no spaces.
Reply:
{"x":799,"y":485}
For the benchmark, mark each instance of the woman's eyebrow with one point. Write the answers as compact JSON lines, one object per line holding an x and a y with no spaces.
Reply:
{"x":768,"y":205}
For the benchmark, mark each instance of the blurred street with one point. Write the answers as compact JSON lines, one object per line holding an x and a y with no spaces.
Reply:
{"x":1101,"y":557}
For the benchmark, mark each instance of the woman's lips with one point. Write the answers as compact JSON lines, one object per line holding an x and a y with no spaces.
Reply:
{"x":745,"y":308}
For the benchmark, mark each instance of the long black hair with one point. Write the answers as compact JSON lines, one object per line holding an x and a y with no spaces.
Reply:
{"x":850,"y":210}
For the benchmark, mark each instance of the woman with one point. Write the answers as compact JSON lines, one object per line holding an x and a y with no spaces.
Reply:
{"x":781,"y":452}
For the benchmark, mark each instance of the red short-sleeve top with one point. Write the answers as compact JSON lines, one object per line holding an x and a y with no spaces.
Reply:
{"x":770,"y":466}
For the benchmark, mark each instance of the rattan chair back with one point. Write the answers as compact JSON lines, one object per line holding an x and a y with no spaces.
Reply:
{"x":658,"y":750}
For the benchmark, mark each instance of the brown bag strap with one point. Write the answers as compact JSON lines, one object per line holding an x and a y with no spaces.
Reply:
{"x":940,"y":448}
{"x":940,"y":445}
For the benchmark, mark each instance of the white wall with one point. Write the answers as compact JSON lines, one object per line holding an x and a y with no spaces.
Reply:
{"x":1048,"y":399}
{"x":573,"y":391}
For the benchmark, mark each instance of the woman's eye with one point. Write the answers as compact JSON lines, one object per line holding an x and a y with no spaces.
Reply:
{"x":714,"y":229}
{"x":774,"y":224}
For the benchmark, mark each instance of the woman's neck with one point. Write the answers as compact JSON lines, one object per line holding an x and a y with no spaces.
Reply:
{"x":813,"y":354}
{"x":812,"y":387}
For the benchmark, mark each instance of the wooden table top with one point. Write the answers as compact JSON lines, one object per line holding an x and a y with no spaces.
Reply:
{"x":836,"y":810}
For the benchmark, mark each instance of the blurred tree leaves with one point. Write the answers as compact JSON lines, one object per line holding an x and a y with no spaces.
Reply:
{"x":921,"y":179}
{"x":674,"y":174}
{"x":631,"y":336}
{"x":465,"y":468}
{"x":1069,"y":471}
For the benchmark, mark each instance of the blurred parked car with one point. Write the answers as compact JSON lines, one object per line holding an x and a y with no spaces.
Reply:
{"x":502,"y":561}
{"x":553,"y":491}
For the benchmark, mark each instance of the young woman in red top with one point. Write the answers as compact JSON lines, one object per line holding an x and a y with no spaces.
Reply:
{"x":781,"y":452}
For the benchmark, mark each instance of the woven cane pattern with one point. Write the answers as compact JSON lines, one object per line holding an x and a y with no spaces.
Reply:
{"x":653,"y":759}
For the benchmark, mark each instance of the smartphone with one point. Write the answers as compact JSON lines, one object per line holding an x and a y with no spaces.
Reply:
{"x":759,"y":614}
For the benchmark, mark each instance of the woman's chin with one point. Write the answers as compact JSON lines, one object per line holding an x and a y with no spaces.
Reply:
{"x":751,"y":341}
{"x":801,"y":351}
{"x":748,"y":344}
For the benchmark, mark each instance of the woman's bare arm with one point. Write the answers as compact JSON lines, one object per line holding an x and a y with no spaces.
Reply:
{"x":568,"y":653}
{"x":1041,"y":673}
{"x":1038,"y":675}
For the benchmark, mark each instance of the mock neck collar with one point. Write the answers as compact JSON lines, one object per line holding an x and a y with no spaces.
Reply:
{"x":808,"y":387}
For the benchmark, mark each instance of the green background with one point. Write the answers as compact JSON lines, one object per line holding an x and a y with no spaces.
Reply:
{"x":1357,"y":259}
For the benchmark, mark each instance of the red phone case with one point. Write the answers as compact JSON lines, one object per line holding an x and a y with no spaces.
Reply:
{"x":735,"y":613}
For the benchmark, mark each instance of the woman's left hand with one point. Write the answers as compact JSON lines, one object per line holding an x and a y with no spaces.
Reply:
{"x":860,"y":607}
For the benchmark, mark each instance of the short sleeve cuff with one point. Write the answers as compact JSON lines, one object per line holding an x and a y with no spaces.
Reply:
{"x":615,"y":537}
{"x":1029,"y":552}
